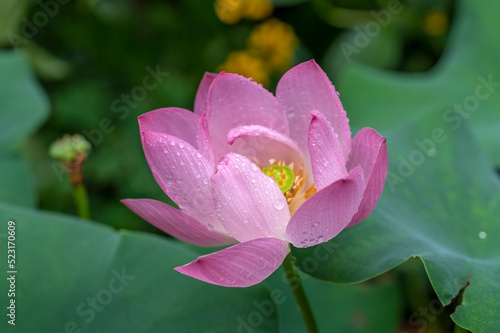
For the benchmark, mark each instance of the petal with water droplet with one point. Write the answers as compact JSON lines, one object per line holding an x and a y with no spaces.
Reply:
{"x":260,"y":143}
{"x":234,"y":181}
{"x":369,"y":151}
{"x":176,"y":223}
{"x":241,"y":265}
{"x":327,"y":212}
{"x":180,"y":174}
{"x":236,"y":101}
{"x":177,"y":122}
{"x":304,"y":88}
{"x":327,"y":159}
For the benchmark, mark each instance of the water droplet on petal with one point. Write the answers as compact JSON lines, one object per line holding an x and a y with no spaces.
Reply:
{"x":172,"y":142}
{"x":254,"y":167}
{"x":181,"y":145}
{"x":198,"y":155}
{"x":205,"y":181}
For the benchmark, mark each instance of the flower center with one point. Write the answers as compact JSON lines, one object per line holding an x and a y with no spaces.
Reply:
{"x":282,"y":175}
{"x":291,"y":182}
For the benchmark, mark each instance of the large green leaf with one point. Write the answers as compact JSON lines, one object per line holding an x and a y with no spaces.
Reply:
{"x":381,"y":99}
{"x":23,"y":107}
{"x":65,"y":265}
{"x":441,"y":203}
{"x":340,"y":308}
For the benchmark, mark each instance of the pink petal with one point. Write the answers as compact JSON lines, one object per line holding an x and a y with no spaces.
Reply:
{"x":250,"y":205}
{"x":200,"y":101}
{"x":237,"y":101}
{"x":176,"y":223}
{"x":241,"y":265}
{"x":183,"y":174}
{"x":327,"y":212}
{"x":173,"y":121}
{"x":261,"y":144}
{"x":327,"y":158}
{"x":204,"y":140}
{"x":304,"y":88}
{"x":369,"y":151}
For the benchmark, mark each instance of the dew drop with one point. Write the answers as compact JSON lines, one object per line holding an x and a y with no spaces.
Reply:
{"x":278,"y":204}
{"x":181,"y":145}
{"x":253,"y":180}
{"x":205,"y":181}
{"x":198,"y":175}
{"x":178,"y":153}
{"x":254,"y":167}
{"x":198,"y":162}
{"x":482,"y":235}
{"x":172,"y":142}
{"x":198,"y":155}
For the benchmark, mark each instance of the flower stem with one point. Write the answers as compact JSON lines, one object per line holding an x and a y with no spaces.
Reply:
{"x":81,"y":200}
{"x":300,"y":295}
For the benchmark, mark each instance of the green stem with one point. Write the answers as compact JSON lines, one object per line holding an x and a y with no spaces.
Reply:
{"x":300,"y":295}
{"x":81,"y":201}
{"x":459,"y":329}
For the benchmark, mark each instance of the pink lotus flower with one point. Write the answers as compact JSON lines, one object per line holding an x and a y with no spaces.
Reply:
{"x":209,"y":163}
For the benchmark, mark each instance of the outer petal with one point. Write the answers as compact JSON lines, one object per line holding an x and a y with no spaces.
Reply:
{"x":249,"y":204}
{"x":369,"y":151}
{"x":241,"y":265}
{"x":304,"y":88}
{"x":327,"y":158}
{"x":176,"y":223}
{"x":327,"y":212}
{"x":236,"y":101}
{"x":261,"y":144}
{"x":183,"y":174}
{"x":173,"y":121}
{"x":200,"y":101}
{"x":204,"y":141}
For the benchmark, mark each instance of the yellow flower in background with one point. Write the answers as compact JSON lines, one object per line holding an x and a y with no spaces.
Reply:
{"x":246,"y":64}
{"x":271,"y":46}
{"x":436,"y":22}
{"x":275,"y":42}
{"x":257,"y":9}
{"x":232,"y":11}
